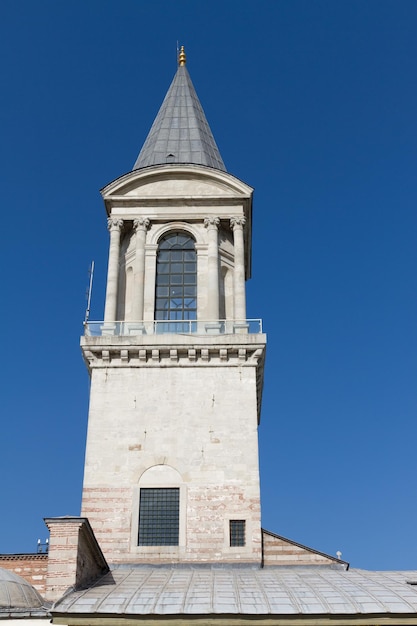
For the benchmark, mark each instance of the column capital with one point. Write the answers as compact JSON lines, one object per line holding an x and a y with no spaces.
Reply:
{"x":141,"y":223}
{"x":114,"y":223}
{"x":237,"y":222}
{"x":211,"y":221}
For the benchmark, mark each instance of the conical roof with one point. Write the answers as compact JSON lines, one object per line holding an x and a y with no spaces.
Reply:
{"x":180,"y":132}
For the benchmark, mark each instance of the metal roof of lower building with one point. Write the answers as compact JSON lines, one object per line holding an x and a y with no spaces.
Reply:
{"x":211,"y":590}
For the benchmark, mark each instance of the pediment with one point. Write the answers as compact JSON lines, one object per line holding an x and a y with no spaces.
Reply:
{"x":177,"y":182}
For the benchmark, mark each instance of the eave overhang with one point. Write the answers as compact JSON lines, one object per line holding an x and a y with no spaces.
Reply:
{"x":360,"y":619}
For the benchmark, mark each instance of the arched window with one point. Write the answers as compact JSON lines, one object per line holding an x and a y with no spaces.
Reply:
{"x":161,"y":514}
{"x":176,"y":280}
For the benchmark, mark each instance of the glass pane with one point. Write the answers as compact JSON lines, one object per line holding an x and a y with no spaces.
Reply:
{"x":162,"y":291}
{"x":190,"y":279}
{"x":176,"y":255}
{"x":189,"y":244}
{"x":162,"y":279}
{"x":190,"y":267}
{"x":161,"y":303}
{"x":176,"y":279}
{"x":182,"y":239}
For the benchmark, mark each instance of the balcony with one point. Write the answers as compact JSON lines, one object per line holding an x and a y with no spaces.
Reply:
{"x":176,"y":327}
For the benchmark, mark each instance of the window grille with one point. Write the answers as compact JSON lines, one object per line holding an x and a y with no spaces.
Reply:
{"x":176,"y":281}
{"x":159,"y":517}
{"x":237,"y":532}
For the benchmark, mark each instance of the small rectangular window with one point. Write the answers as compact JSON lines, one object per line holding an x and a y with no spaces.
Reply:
{"x":237,"y":532}
{"x":159,"y":512}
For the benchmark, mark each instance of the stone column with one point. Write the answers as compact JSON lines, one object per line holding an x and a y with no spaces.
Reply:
{"x":140,"y":225}
{"x":110,"y":309}
{"x":237,"y":224}
{"x":211,"y":223}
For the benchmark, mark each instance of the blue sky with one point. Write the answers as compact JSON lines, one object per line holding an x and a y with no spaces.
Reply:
{"x":314,"y":104}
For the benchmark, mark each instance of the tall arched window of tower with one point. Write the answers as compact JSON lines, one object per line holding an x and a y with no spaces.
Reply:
{"x":176,"y":282}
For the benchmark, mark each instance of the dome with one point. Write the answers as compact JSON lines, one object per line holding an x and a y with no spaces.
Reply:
{"x":17,"y":595}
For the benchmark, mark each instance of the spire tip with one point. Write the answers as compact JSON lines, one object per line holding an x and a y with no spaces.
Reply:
{"x":182,"y":59}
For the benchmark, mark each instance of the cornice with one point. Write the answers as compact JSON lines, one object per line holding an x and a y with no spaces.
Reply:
{"x":110,"y":355}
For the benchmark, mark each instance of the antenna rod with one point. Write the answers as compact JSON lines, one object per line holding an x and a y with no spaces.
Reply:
{"x":90,"y":287}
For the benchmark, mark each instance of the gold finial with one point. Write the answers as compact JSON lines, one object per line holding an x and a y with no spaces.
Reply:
{"x":182,"y":59}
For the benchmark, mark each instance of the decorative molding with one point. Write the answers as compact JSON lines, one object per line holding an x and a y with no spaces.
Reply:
{"x":223,"y":354}
{"x":237,"y":222}
{"x":41,"y":556}
{"x":159,"y":230}
{"x":141,"y":223}
{"x":149,"y":356}
{"x":211,"y":222}
{"x":114,"y":223}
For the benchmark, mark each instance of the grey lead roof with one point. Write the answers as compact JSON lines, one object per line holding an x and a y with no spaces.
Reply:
{"x":187,"y":590}
{"x":180,"y":132}
{"x":18,"y":598}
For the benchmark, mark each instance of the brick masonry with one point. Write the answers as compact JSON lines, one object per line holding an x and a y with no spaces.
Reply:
{"x":278,"y":550}
{"x":31,"y":567}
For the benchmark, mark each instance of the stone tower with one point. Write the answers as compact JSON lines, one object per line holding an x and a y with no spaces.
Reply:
{"x":171,"y":470}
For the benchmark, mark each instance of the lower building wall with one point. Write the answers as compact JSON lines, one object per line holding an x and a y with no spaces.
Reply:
{"x":31,"y":567}
{"x":281,"y":551}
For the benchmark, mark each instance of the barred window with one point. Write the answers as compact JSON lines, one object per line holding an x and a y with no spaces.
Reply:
{"x":159,"y":511}
{"x":237,"y":532}
{"x":176,"y":281}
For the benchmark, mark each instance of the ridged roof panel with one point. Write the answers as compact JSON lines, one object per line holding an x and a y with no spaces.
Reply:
{"x":308,"y":590}
{"x":180,"y":132}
